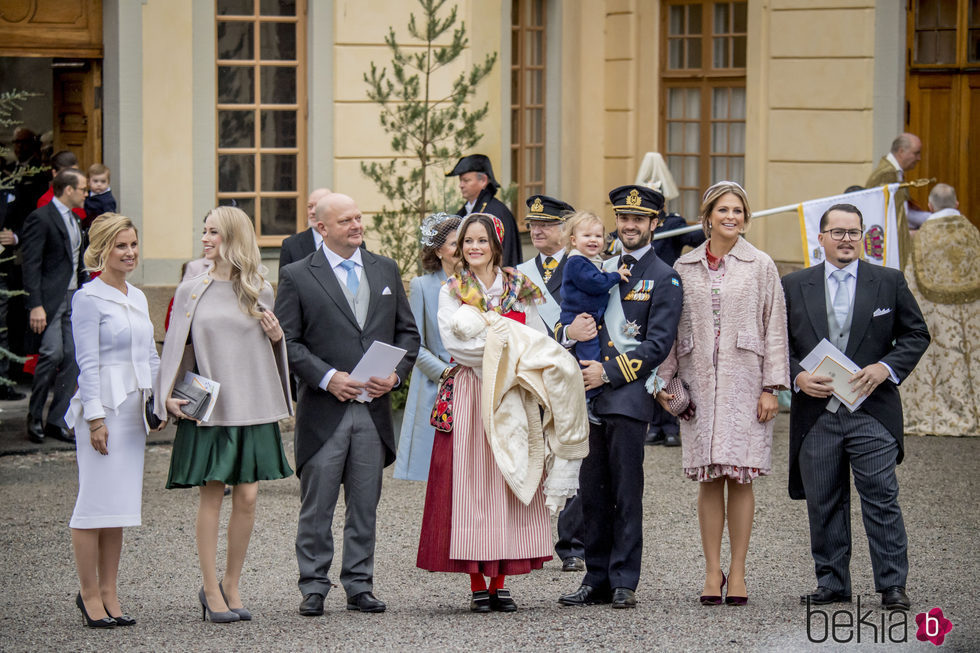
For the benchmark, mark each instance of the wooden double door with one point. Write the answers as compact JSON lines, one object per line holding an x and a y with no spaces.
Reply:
{"x":67,"y":36}
{"x":943,"y":96}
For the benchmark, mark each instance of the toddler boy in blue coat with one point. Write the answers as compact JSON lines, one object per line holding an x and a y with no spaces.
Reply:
{"x":585,"y":286}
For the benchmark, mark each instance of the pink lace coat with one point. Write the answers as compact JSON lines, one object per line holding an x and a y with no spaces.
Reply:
{"x":752,"y":354}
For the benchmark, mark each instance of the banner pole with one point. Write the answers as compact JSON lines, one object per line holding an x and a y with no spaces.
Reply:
{"x":779,"y":209}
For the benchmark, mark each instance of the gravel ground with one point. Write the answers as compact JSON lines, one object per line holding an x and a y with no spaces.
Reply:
{"x":159,"y":577}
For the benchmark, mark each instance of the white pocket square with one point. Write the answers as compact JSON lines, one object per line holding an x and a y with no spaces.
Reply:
{"x":881,"y":311}
{"x":387,"y":291}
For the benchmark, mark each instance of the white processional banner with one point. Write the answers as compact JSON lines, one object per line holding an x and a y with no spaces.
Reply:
{"x":877,"y":205}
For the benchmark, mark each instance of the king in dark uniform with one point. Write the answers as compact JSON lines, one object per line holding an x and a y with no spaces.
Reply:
{"x":635,"y":336}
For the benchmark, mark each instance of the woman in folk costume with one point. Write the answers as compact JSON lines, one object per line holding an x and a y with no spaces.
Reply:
{"x":223,"y":329}
{"x":486,"y":505}
{"x":439,"y":261}
{"x":732,"y":349}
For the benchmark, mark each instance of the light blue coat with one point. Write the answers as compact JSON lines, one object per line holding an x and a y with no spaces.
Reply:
{"x":415,"y":442}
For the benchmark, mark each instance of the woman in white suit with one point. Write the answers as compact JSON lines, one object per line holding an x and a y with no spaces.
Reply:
{"x":117,"y":363}
{"x":439,"y":261}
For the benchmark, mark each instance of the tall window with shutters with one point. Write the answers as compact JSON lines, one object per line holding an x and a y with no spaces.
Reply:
{"x":527,"y":109}
{"x":703,"y":95}
{"x":261,"y":113}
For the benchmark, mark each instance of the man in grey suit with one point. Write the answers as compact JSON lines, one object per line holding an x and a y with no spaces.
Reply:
{"x":868,"y":313}
{"x":332,"y":306}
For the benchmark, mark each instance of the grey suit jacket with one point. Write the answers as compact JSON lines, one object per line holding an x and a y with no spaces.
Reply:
{"x":322,"y":334}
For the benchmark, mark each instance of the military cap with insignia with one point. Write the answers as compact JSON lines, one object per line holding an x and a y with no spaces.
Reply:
{"x":547,"y":209}
{"x":638,"y":200}
{"x":474,"y":163}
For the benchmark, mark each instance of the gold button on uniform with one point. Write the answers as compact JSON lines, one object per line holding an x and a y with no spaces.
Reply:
{"x":610,"y":343}
{"x":606,"y":358}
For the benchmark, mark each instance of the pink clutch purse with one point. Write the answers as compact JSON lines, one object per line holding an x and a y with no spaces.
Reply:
{"x":681,"y":399}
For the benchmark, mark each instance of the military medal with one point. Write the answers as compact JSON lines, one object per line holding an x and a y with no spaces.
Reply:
{"x":549,"y":265}
{"x":630,"y":329}
{"x":641,"y":291}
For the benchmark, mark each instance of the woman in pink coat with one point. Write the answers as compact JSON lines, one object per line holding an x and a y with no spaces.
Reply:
{"x":731,"y":351}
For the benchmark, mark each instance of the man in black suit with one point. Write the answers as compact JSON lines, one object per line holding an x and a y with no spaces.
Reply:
{"x":53,"y":270}
{"x":635,"y":336}
{"x":306,"y":242}
{"x":478,"y":187}
{"x":868,"y":313}
{"x":332,"y":306}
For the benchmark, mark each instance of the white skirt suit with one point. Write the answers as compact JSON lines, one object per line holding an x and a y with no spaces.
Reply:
{"x":117,"y":367}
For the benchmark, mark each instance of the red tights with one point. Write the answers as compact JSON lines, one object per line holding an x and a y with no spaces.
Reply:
{"x":478,"y":584}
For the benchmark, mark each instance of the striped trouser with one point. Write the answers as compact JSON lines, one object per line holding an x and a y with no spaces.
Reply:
{"x":838,"y":443}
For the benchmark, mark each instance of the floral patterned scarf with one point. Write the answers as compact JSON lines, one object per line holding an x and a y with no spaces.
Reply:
{"x":518,"y":288}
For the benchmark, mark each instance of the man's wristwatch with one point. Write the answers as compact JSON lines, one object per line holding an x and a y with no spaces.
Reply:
{"x":604,"y":377}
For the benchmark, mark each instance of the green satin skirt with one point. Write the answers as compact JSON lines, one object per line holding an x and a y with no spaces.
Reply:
{"x":227,"y":454}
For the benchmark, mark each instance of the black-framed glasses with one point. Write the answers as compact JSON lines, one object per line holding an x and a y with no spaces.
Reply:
{"x":838,"y":234}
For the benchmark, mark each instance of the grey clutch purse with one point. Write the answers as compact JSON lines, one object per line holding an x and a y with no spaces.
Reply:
{"x":197,"y":399}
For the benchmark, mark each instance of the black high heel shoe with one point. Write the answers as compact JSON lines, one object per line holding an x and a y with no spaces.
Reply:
{"x":216,"y":617}
{"x":243,"y":613}
{"x":711,"y":599}
{"x":105,"y":622}
{"x":123,"y":619}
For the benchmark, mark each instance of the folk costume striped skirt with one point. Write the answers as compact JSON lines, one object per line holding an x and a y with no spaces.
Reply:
{"x":472,"y":522}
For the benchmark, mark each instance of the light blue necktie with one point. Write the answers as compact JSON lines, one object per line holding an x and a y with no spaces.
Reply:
{"x":842,"y":303}
{"x":353,"y":282}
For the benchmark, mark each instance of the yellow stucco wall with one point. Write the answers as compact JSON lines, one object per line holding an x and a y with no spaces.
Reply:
{"x":818,"y":112}
{"x":809,"y":83}
{"x":167,"y":131}
{"x":809,"y":86}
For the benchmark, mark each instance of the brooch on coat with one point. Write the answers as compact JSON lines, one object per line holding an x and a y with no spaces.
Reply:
{"x":640,"y":292}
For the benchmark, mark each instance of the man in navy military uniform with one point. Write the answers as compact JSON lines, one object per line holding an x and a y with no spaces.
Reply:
{"x":544,"y":220}
{"x":635,"y":337}
{"x":478,"y":187}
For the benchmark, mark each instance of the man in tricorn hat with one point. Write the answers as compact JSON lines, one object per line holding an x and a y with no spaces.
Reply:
{"x":635,"y":336}
{"x":544,"y":220}
{"x":478,"y":187}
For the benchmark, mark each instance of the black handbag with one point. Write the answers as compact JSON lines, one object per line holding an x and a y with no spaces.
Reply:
{"x":197,"y":399}
{"x":152,"y":421}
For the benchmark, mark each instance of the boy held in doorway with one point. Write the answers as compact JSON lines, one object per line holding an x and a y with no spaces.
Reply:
{"x":100,"y":199}
{"x":585,"y":286}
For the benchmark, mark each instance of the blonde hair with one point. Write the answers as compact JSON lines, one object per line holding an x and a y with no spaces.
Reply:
{"x":102,"y":237}
{"x":239,"y":247}
{"x":715,"y":193}
{"x":573,"y":222}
